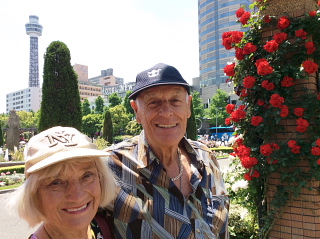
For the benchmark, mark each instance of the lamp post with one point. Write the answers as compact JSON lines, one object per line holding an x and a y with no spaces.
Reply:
{"x":217,"y":120}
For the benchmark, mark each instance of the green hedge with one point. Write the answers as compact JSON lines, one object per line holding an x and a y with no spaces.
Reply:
{"x":11,"y":169}
{"x":226,"y":150}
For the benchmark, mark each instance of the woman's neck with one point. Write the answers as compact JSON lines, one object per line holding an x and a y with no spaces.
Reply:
{"x":46,"y":231}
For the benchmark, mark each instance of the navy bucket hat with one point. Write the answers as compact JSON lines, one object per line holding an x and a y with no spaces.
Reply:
{"x":160,"y":74}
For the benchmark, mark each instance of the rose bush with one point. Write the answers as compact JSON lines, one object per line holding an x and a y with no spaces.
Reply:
{"x":275,"y":74}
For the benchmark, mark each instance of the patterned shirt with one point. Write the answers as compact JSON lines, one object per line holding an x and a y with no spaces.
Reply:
{"x":149,"y":205}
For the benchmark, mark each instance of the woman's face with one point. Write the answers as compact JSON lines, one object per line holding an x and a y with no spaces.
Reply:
{"x":71,"y":201}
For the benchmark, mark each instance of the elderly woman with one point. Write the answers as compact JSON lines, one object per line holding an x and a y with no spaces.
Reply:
{"x":66,"y":183}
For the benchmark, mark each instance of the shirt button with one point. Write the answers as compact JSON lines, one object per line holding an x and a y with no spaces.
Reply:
{"x":198,"y":230}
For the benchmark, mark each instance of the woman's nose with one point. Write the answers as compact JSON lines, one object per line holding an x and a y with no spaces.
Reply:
{"x":74,"y":189}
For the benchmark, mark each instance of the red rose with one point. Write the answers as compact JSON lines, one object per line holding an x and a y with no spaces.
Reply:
{"x":244,"y":18}
{"x":240,"y":12}
{"x":230,"y":108}
{"x":268,"y":85}
{"x":284,"y":111}
{"x":239,"y":54}
{"x":271,"y":46}
{"x":227,"y":43}
{"x":267,"y":19}
{"x":280,"y":37}
{"x":318,"y":161}
{"x":244,"y":93}
{"x":292,"y":143}
{"x":275,"y":146}
{"x":272,"y":161}
{"x":276,"y":100}
{"x":310,"y":47}
{"x":260,"y":102}
{"x":266,"y":149}
{"x":249,"y":48}
{"x":259,"y":61}
{"x":299,"y":111}
{"x":318,"y":142}
{"x":248,"y":162}
{"x":315,"y":151}
{"x":255,"y":173}
{"x":264,"y":68}
{"x":242,"y":151}
{"x":237,"y":115}
{"x":301,"y":33}
{"x":229,"y":69}
{"x":283,"y":23}
{"x":227,"y":121}
{"x":319,"y":3}
{"x":310,"y":67}
{"x":247,"y":177}
{"x":318,"y":96}
{"x":256,"y":120}
{"x":296,"y":149}
{"x":249,"y":81}
{"x":287,"y":81}
{"x":302,"y":125}
{"x":313,"y":13}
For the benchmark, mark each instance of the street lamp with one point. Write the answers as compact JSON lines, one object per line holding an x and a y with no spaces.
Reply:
{"x":217,"y":120}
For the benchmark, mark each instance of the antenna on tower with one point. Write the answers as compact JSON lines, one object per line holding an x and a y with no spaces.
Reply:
{"x":34,"y":30}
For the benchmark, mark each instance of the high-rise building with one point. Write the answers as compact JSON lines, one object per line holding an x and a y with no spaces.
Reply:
{"x":34,"y":30}
{"x":214,"y":18}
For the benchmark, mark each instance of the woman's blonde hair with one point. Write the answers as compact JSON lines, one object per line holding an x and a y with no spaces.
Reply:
{"x":26,"y":200}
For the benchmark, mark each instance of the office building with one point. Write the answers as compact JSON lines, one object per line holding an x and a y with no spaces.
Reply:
{"x":214,"y":18}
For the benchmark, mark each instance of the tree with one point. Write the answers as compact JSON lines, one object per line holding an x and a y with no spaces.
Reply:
{"x":133,"y":128}
{"x":28,"y":119}
{"x":114,"y":99}
{"x":85,"y":107}
{"x":61,"y":103}
{"x":107,"y":133}
{"x":1,"y":136}
{"x":127,"y":105}
{"x":99,"y":105}
{"x":197,"y":103}
{"x":217,"y":109}
{"x":120,"y":119}
{"x":92,"y":124}
{"x":192,"y":125}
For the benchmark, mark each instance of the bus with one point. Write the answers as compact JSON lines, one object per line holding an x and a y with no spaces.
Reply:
{"x":222,"y":131}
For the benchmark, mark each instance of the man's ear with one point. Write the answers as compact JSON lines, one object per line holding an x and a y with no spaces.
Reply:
{"x":135,"y":107}
{"x":189,"y":103}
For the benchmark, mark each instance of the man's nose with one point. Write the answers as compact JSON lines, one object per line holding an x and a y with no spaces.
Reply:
{"x":165,"y":110}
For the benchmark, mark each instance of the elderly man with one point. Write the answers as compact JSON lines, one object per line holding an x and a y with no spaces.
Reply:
{"x":169,"y":186}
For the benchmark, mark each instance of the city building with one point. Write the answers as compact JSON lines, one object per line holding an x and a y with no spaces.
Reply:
{"x":86,"y":88}
{"x":29,"y":99}
{"x":214,"y":18}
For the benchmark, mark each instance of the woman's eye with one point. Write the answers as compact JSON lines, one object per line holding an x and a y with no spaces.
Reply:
{"x":56,"y":182}
{"x":89,"y":176}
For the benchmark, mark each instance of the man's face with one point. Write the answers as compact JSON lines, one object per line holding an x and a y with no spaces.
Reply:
{"x":163,"y":112}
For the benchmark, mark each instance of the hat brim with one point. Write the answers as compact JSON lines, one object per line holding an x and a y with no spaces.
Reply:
{"x":65,"y":155}
{"x":135,"y":93}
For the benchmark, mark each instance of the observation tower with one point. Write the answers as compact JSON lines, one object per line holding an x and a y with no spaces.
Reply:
{"x":34,"y":30}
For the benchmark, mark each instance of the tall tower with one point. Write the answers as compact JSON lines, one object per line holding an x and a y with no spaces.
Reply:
{"x":34,"y":30}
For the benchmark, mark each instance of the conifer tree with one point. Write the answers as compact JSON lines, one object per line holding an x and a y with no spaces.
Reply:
{"x":1,"y":136}
{"x":60,"y":94}
{"x":192,"y":125}
{"x":99,"y":105}
{"x":107,"y":127}
{"x":85,"y":107}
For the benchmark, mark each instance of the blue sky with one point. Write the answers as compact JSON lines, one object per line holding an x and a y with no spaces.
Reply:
{"x":126,"y":35}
